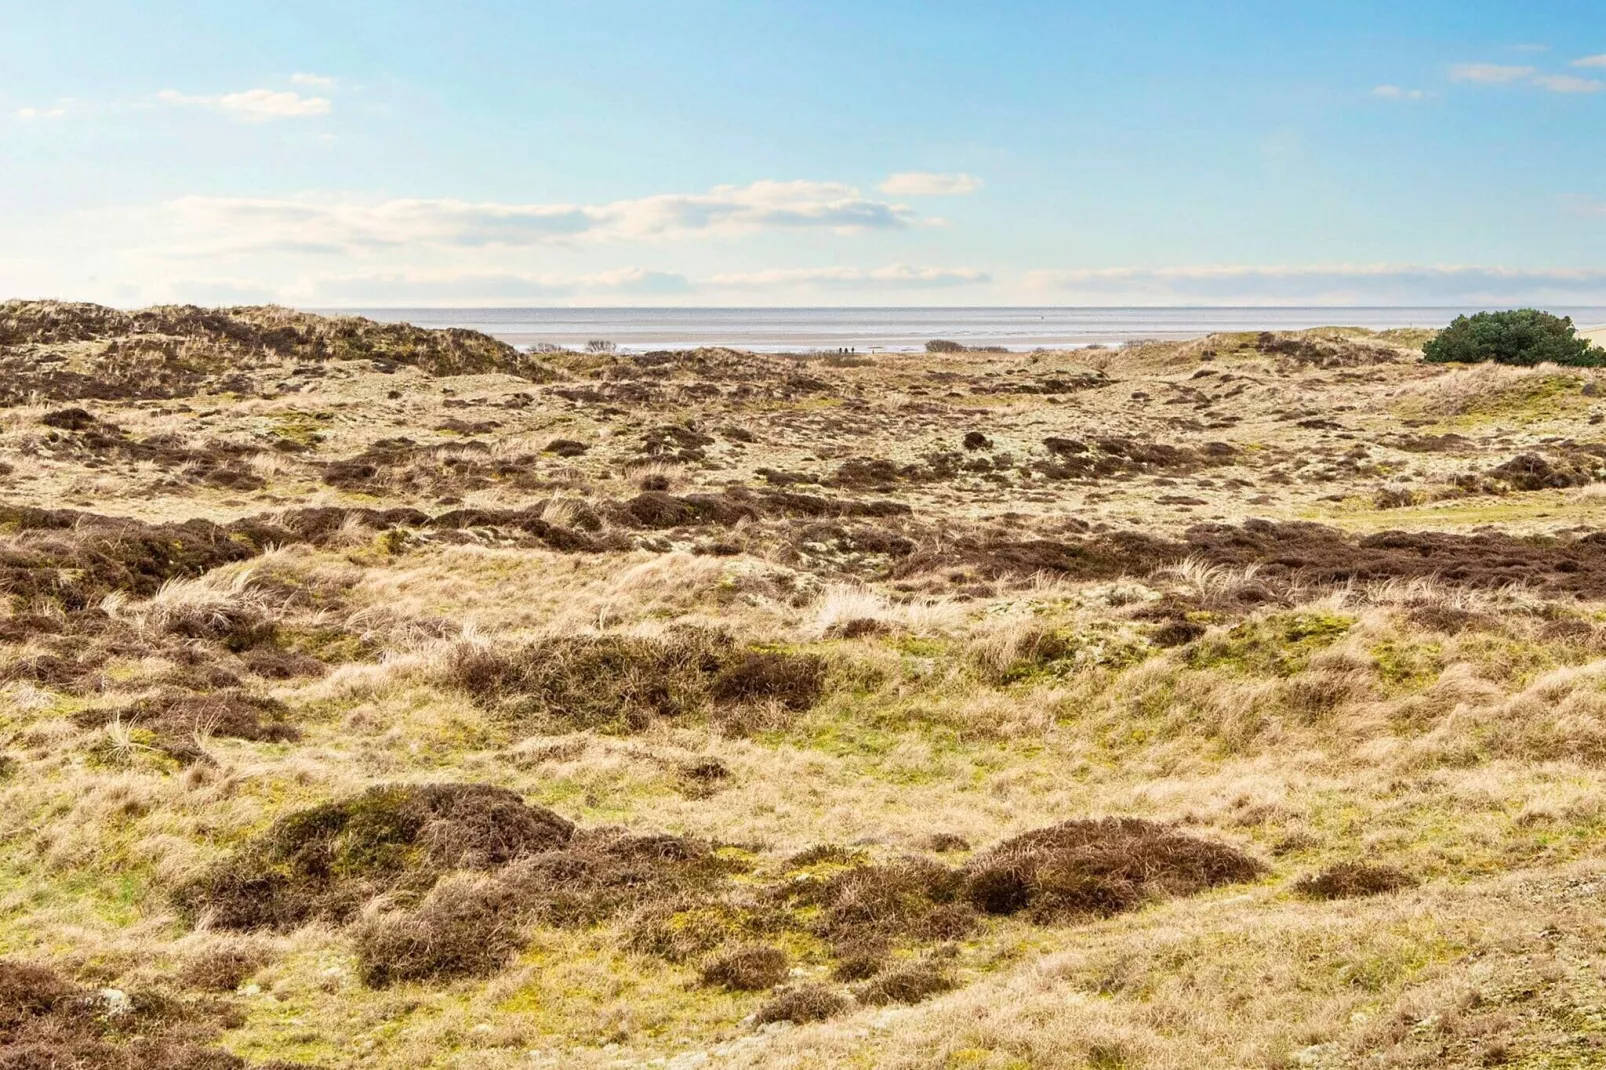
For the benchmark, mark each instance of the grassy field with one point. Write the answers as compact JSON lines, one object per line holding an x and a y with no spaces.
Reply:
{"x":383,"y":697}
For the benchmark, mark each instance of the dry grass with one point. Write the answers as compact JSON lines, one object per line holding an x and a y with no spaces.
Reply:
{"x":990,"y":764}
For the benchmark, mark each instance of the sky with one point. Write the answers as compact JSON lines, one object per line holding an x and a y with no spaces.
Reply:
{"x":623,"y":152}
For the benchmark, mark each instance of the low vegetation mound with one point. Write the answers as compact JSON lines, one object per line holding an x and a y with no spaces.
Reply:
{"x":450,"y":875}
{"x":805,"y":1003}
{"x":624,"y":682}
{"x":325,"y":862}
{"x":76,"y":559}
{"x":1524,"y":336}
{"x":1098,"y":867}
{"x":1349,"y":880}
{"x":1576,"y":467}
{"x":908,"y":984}
{"x":1329,"y":348}
{"x":869,"y":907}
{"x":470,"y":923}
{"x":465,"y":927}
{"x":176,"y":350}
{"x":747,"y":969}
{"x":180,"y":722}
{"x":47,"y":1021}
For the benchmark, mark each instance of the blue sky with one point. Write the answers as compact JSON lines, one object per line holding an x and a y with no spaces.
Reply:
{"x":800,"y":154}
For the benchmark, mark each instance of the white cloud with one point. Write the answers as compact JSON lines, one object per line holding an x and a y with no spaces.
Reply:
{"x":1394,"y":92}
{"x":41,"y":113}
{"x":312,"y":81}
{"x":1591,"y":61}
{"x":1568,"y":83}
{"x":470,"y":286}
{"x":1342,"y":284}
{"x":478,"y":287}
{"x":894,"y":276}
{"x":252,"y":105}
{"x":929,"y":184}
{"x":203,"y":226}
{"x":1488,"y":73}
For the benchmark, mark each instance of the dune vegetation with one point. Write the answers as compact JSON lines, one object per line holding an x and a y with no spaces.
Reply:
{"x":372,"y":696}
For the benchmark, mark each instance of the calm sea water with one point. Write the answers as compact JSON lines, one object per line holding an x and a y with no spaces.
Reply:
{"x":801,"y":329}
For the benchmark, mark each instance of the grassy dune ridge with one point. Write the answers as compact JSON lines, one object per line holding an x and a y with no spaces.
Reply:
{"x":379,"y":697}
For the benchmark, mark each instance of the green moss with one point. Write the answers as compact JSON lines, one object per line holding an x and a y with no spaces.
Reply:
{"x":1525,"y":400}
{"x":302,"y":430}
{"x":919,"y":647}
{"x":1065,"y":651}
{"x":1279,"y":645}
{"x":1407,"y":667}
{"x":1513,"y":661}
{"x":1534,"y":511}
{"x":331,"y":644}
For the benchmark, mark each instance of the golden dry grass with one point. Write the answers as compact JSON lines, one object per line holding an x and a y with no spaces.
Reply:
{"x":974,"y":687}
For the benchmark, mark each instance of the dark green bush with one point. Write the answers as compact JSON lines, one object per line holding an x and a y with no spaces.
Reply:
{"x":1518,"y":336}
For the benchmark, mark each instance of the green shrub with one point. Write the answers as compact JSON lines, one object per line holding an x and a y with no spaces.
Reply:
{"x":1520,"y":336}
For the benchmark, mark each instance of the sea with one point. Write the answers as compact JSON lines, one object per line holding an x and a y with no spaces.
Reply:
{"x":795,"y":330}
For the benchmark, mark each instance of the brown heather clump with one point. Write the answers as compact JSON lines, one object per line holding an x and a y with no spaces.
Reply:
{"x":49,"y":1023}
{"x":467,"y":926}
{"x":908,"y":984}
{"x":747,"y":969}
{"x":624,"y":683}
{"x":600,"y":873}
{"x":326,"y":862}
{"x":913,"y":898}
{"x":180,"y":721}
{"x":222,"y":969}
{"x":1106,"y":866}
{"x":805,"y":1003}
{"x":1349,"y":880}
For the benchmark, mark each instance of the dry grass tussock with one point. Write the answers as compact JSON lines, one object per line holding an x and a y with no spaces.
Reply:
{"x":846,"y":611}
{"x":1465,"y":390}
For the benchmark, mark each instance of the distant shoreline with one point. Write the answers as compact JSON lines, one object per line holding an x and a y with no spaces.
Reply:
{"x":894,"y":329}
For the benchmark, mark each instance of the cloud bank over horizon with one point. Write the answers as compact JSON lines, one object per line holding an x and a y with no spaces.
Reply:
{"x":348,"y":249}
{"x":1334,"y":285}
{"x":1338,"y":286}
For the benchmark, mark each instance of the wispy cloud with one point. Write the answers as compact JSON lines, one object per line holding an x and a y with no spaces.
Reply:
{"x":472,"y":286}
{"x":1342,"y":284}
{"x":1500,"y":74}
{"x":894,"y":276}
{"x":1569,"y":83}
{"x":41,"y":113}
{"x":1489,"y":73}
{"x":312,"y":81}
{"x":252,"y":105}
{"x":929,"y":184}
{"x":314,"y":224}
{"x":1395,"y":92}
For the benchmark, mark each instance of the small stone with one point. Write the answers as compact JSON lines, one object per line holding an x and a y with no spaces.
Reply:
{"x":116,"y":1001}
